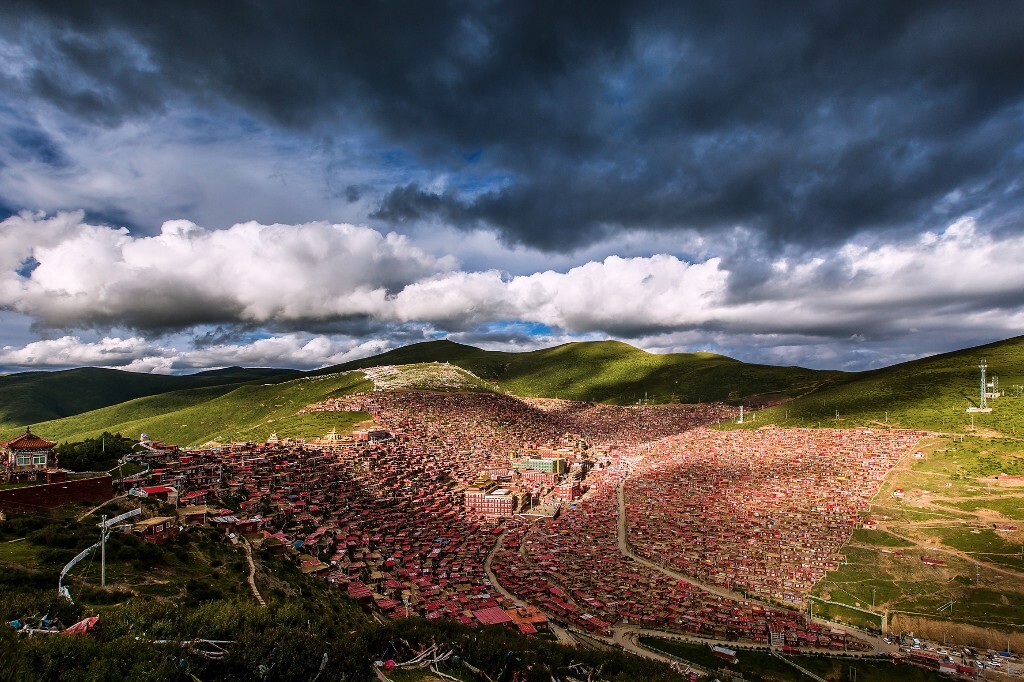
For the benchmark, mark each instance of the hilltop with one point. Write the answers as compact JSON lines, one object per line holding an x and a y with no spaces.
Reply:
{"x":930,"y":393}
{"x":236,"y":403}
{"x":612,"y":372}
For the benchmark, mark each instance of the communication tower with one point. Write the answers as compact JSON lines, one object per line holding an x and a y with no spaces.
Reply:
{"x":984,"y":394}
{"x":992,"y":387}
{"x":983,"y":404}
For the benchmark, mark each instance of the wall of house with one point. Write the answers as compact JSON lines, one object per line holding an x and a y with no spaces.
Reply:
{"x":51,"y":495}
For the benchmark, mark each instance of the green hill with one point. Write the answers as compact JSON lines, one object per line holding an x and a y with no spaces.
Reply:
{"x":931,"y":393}
{"x":224,"y":413}
{"x":612,"y":372}
{"x":32,"y":397}
{"x":607,"y":371}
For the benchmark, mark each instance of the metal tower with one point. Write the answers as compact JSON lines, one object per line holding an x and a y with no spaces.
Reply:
{"x":983,"y":404}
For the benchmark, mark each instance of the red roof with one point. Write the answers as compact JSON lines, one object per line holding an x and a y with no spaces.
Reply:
{"x":492,"y":616}
{"x":28,"y":441}
{"x":156,"y":490}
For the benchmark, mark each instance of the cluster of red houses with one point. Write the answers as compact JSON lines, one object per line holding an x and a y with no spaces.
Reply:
{"x":766,"y":511}
{"x":572,"y":567}
{"x":383,"y":515}
{"x":525,"y":449}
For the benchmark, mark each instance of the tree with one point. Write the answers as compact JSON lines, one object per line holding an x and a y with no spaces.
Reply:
{"x":94,"y":454}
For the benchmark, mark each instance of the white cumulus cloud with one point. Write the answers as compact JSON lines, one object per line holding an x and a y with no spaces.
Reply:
{"x":66,"y":274}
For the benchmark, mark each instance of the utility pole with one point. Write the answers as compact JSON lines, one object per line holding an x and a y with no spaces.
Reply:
{"x":103,"y":552}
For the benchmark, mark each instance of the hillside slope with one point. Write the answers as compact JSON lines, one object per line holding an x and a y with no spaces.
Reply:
{"x":223,"y":413}
{"x":931,"y":393}
{"x":612,"y":372}
{"x":32,"y":397}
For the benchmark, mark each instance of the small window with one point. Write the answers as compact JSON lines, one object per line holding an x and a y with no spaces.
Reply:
{"x":39,"y":459}
{"x":24,"y":460}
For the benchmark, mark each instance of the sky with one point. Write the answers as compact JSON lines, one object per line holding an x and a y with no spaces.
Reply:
{"x":194,"y":185}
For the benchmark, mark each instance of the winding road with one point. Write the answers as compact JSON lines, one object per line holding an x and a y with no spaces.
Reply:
{"x":877,"y":642}
{"x":628,"y":551}
{"x":627,"y":636}
{"x":561,"y":633}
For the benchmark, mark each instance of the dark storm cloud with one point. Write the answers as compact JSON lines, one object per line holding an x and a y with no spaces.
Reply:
{"x":809,"y":122}
{"x":27,"y":144}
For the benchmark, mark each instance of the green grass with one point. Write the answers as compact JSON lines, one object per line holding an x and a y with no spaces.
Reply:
{"x":755,"y":665}
{"x":974,"y":540}
{"x":891,"y":565}
{"x":247,"y":412}
{"x":903,"y":513}
{"x":127,"y":469}
{"x":932,"y":393}
{"x":878,"y":538}
{"x":196,"y":565}
{"x":612,"y":372}
{"x":31,"y":397}
{"x":609,"y":371}
{"x":866,"y":671}
{"x":901,"y":582}
{"x":139,"y":409}
{"x":21,"y":553}
{"x":18,"y":484}
{"x":850,"y":616}
{"x":929,"y":393}
{"x":1010,"y":506}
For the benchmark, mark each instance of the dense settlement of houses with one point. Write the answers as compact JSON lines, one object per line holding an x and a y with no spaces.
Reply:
{"x":408,"y":516}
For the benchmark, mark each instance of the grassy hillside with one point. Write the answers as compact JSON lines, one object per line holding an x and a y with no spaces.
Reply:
{"x":932,"y":393}
{"x":606,"y":371}
{"x":32,"y":397}
{"x":612,"y":372}
{"x":246,"y":412}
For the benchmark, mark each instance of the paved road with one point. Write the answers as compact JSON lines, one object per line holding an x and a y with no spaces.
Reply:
{"x":493,"y":578}
{"x":627,"y":636}
{"x":561,"y":633}
{"x":628,"y":551}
